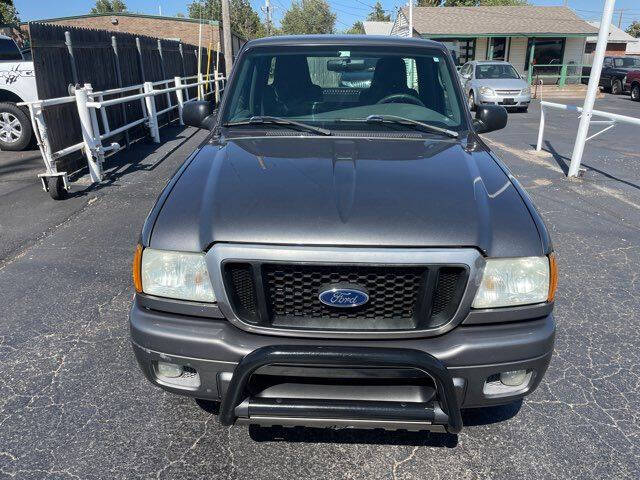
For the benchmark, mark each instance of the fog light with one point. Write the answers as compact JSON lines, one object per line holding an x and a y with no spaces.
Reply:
{"x":170,"y":370}
{"x":513,"y":378}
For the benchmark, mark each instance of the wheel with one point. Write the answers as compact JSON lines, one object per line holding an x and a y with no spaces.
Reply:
{"x":616,"y":87}
{"x":56,"y":188}
{"x":15,"y":127}
{"x":635,"y":93}
{"x":471,"y":102}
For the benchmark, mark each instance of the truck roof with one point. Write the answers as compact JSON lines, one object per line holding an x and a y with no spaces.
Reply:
{"x":354,"y":40}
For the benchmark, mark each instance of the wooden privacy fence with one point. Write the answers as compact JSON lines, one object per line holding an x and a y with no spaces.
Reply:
{"x":64,"y":56}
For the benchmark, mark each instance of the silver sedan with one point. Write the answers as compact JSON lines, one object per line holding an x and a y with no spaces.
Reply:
{"x":494,"y":83}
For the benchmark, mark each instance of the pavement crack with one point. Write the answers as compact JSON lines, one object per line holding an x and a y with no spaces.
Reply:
{"x":397,"y":464}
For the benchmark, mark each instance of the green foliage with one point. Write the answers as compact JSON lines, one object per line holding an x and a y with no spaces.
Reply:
{"x":109,"y":6}
{"x":634,"y":29}
{"x":428,"y":3}
{"x":8,"y":14}
{"x":308,"y":17}
{"x":244,"y":19}
{"x":378,"y":14}
{"x":356,"y":29}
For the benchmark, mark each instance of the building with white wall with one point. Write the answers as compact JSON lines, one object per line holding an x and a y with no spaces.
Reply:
{"x":518,"y":34}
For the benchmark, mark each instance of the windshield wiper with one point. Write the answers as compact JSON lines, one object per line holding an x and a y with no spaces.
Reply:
{"x":261,"y":120}
{"x":410,"y":121}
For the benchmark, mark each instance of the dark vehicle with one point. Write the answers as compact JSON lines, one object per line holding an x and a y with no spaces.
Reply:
{"x":337,"y":256}
{"x":614,"y":72}
{"x":632,"y":84}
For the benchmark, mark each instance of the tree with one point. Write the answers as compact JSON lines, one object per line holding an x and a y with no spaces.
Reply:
{"x":356,"y":29}
{"x":109,"y":6}
{"x":244,"y":19}
{"x":634,"y":29}
{"x":378,"y":14}
{"x":308,"y":17}
{"x":428,"y":3}
{"x":8,"y":13}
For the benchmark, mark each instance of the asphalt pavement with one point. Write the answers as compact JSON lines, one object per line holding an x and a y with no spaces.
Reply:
{"x":73,"y":403}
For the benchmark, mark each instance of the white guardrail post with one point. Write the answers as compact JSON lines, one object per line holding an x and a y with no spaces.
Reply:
{"x":92,"y":148}
{"x":178,"y":82}
{"x":541,"y":129}
{"x":200,"y":87}
{"x":151,"y":111}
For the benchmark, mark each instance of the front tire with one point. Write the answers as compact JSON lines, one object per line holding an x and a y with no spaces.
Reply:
{"x":616,"y":87}
{"x":635,"y":93}
{"x":471,"y":102}
{"x":15,"y":127}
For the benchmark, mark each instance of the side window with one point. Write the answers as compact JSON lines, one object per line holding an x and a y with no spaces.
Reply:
{"x":271,"y":70}
{"x":9,"y":50}
{"x":320,"y":75}
{"x":618,"y":62}
{"x":608,"y":62}
{"x":412,"y":74}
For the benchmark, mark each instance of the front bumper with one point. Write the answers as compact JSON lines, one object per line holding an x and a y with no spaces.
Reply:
{"x":214,"y":348}
{"x":507,"y":101}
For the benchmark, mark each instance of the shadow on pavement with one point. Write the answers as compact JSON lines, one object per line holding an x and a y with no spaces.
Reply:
{"x":563,"y":162}
{"x":129,"y":161}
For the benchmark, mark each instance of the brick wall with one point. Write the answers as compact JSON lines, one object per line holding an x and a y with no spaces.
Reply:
{"x":161,"y":27}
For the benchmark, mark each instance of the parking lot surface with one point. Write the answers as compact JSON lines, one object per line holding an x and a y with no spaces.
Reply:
{"x":73,"y":403}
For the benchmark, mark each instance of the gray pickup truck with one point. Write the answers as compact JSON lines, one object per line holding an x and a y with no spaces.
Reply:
{"x":341,"y":254}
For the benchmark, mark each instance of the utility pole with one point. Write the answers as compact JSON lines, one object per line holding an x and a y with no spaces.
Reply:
{"x":620,"y":18}
{"x":592,"y":89}
{"x":268,"y":11}
{"x":410,"y":18}
{"x":226,"y":33}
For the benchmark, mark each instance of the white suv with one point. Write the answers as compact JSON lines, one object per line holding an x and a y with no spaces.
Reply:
{"x":17,"y":84}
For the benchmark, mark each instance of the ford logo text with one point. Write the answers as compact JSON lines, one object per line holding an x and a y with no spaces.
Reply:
{"x":343,"y":297}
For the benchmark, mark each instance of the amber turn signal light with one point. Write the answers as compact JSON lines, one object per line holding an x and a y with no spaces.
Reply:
{"x":553,"y":277}
{"x":137,"y":269}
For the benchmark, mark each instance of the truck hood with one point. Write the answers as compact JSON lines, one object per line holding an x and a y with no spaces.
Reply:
{"x":346,"y":192}
{"x":502,"y":83}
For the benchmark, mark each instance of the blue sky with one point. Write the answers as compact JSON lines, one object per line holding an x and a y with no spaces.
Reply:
{"x":348,"y":11}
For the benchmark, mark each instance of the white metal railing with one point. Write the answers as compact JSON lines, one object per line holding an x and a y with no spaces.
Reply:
{"x":612,"y":119}
{"x":89,"y":102}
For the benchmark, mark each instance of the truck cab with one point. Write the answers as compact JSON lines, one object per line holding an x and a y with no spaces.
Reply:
{"x":17,"y":84}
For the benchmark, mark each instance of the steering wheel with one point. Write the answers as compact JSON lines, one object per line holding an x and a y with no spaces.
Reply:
{"x":401,"y":98}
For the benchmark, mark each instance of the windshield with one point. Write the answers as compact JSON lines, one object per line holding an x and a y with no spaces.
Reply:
{"x":627,"y":62}
{"x":338,"y":88}
{"x":496,"y":71}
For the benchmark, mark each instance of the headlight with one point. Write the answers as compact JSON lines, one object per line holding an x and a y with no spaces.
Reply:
{"x":487,"y":91}
{"x":180,"y":275}
{"x":516,"y":281}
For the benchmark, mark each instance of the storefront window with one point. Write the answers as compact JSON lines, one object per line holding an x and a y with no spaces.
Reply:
{"x":547,"y":51}
{"x":497,"y":48}
{"x":462,"y":50}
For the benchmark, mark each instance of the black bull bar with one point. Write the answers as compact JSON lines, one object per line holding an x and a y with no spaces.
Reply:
{"x":447,"y":415}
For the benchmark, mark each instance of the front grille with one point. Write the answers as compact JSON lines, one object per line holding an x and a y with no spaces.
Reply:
{"x":293,"y":290}
{"x":400,"y":297}
{"x":508,"y":92}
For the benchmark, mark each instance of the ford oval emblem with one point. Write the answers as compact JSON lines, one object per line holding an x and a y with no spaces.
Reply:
{"x":343,"y":297}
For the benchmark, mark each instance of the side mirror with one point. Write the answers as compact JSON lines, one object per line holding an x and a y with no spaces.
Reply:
{"x":199,"y":114}
{"x":490,"y":118}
